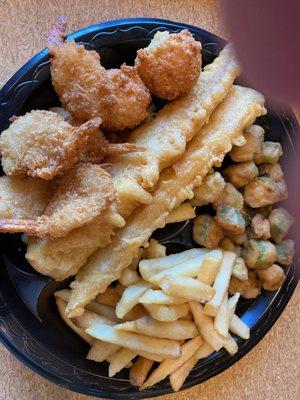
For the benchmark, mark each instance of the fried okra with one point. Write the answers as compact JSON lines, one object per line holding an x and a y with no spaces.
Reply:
{"x":241,"y":174}
{"x":210,"y":190}
{"x":227,"y":244}
{"x":271,"y":278}
{"x":274,"y":171}
{"x":206,"y":231}
{"x":268,"y":153}
{"x":280,"y":223}
{"x":254,"y":137}
{"x":249,"y":289}
{"x":259,"y":254}
{"x":262,"y":191}
{"x":230,"y":219}
{"x":237,"y":238}
{"x":285,"y":252}
{"x":240,"y":270}
{"x":230,"y":197}
{"x":260,"y":227}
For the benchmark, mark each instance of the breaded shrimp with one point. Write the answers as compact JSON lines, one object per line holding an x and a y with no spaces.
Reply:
{"x":170,"y":64}
{"x":23,"y":197}
{"x":118,"y":96}
{"x":81,"y":195}
{"x":97,"y":146}
{"x":42,"y":144}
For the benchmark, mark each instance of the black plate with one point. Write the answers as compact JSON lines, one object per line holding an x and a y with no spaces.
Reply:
{"x":29,"y":323}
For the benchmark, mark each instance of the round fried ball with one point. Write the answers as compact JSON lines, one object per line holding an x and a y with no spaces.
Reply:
{"x":170,"y":64}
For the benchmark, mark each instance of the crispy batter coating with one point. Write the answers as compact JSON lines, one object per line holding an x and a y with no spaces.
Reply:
{"x":170,"y":64}
{"x":42,"y":144}
{"x":81,"y":195}
{"x":97,"y":146}
{"x":118,"y":96}
{"x":23,"y":197}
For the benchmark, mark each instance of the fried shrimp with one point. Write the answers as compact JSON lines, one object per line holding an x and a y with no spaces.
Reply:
{"x":170,"y":64}
{"x":42,"y":144}
{"x":97,"y":146}
{"x":81,"y":195}
{"x":86,"y":89}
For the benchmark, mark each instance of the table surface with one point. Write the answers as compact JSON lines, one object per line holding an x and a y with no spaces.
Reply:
{"x":269,"y":371}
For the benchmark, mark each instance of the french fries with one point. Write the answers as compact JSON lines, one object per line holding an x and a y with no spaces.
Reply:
{"x":168,"y":313}
{"x":205,"y":325}
{"x":109,"y":298}
{"x":102,"y":309}
{"x":154,"y":250}
{"x":239,"y":327}
{"x":168,"y":366}
{"x":222,"y":319}
{"x":128,"y":277}
{"x":163,"y":347}
{"x":221,"y":283}
{"x":119,"y":361}
{"x":101,"y":351}
{"x":178,"y":377}
{"x":149,"y":268}
{"x":177,"y":330}
{"x":182,"y":213}
{"x":190,"y":268}
{"x":139,"y":371}
{"x":130,"y":298}
{"x":210,"y":266}
{"x":160,"y":297}
{"x":189,"y":288}
{"x":230,"y":345}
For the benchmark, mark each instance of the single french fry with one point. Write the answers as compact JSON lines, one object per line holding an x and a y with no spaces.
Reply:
{"x":210,"y":266}
{"x":160,"y":297}
{"x":163,"y":347}
{"x":148,"y":268}
{"x":204,"y":350}
{"x":189,"y":288}
{"x":169,"y":366}
{"x":182,"y":213}
{"x":230,"y":345}
{"x":177,"y":330}
{"x":223,"y":317}
{"x":178,"y":377}
{"x":100,"y":351}
{"x":139,"y":371}
{"x":61,"y":305}
{"x":232,"y":303}
{"x":103,"y":310}
{"x":129,"y":365}
{"x":150,"y":356}
{"x":221,"y":283}
{"x":239,"y":327}
{"x":129,"y":277}
{"x":154,"y":250}
{"x":189,"y":268}
{"x":168,"y":313}
{"x":205,"y":326}
{"x":138,"y":311}
{"x":240,"y":270}
{"x":89,"y":318}
{"x":130,"y":298}
{"x":109,"y":298}
{"x":119,"y":361}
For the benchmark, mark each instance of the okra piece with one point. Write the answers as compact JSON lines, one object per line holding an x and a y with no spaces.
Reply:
{"x":259,"y":254}
{"x":280,"y":223}
{"x":206,"y":231}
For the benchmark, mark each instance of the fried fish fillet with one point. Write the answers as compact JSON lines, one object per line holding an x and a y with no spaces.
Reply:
{"x":238,"y":111}
{"x":23,"y":197}
{"x":82,"y":194}
{"x":164,"y":141}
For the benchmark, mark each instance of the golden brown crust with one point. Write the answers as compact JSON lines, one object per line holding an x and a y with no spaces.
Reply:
{"x":170,"y":67}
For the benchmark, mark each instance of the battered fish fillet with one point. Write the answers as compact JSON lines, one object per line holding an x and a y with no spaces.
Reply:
{"x":42,"y":144}
{"x":170,"y":64}
{"x":97,"y":147}
{"x":164,"y":141}
{"x":238,"y":111}
{"x":23,"y":197}
{"x":81,"y":195}
{"x":86,"y":89}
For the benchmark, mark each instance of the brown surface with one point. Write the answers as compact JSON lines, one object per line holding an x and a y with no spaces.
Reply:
{"x":270,"y":371}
